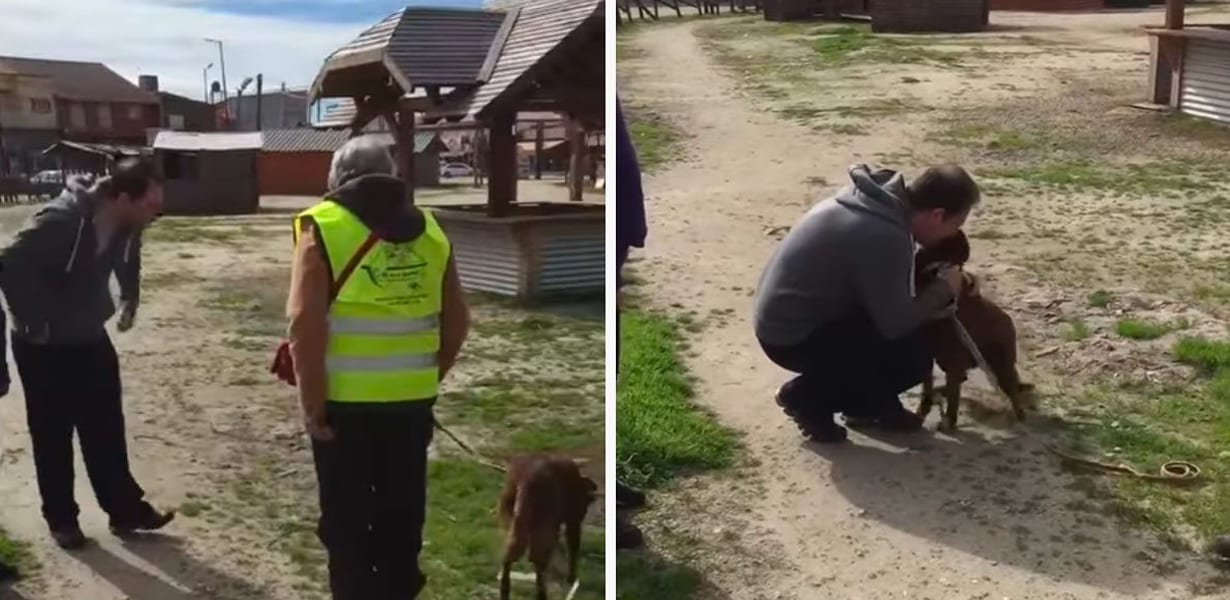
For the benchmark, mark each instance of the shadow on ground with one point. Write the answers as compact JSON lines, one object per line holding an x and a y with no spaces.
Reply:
{"x":195,"y":579}
{"x":1004,"y":499}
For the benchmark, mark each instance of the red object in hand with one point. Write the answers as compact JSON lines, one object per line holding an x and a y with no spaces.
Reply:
{"x":283,"y":364}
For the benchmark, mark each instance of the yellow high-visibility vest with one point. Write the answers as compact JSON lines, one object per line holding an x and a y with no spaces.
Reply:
{"x":384,"y":329}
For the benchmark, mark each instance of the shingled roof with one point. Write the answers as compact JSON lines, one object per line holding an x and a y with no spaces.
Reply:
{"x":427,"y":47}
{"x":81,"y":81}
{"x":541,"y":30}
{"x":438,"y":47}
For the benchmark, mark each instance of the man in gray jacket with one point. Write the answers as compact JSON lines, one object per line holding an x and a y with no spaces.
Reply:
{"x":55,"y":276}
{"x":836,"y":304}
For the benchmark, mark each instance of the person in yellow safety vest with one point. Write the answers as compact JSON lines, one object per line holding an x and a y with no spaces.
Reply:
{"x":368,"y":363}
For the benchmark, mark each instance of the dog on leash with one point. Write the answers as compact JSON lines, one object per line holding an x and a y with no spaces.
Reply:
{"x":991,"y":329}
{"x":541,"y":495}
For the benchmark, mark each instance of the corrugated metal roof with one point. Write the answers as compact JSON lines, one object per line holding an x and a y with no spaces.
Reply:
{"x":303,"y":140}
{"x":429,"y":46}
{"x":196,"y":141}
{"x":541,"y":27}
{"x":312,"y":140}
{"x":81,"y":81}
{"x":100,"y":149}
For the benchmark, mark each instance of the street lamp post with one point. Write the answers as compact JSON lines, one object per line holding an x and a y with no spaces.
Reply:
{"x":222,"y":63}
{"x":205,"y":82}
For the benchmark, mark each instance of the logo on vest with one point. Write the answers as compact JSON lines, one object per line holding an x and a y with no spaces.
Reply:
{"x":397,"y":270}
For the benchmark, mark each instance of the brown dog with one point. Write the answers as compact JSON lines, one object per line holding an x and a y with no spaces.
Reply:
{"x":542,"y":494}
{"x":991,"y":329}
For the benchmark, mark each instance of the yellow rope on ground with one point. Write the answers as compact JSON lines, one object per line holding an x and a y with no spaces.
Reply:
{"x":1174,"y":471}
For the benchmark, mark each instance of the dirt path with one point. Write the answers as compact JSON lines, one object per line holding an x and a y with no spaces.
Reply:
{"x":984,"y":515}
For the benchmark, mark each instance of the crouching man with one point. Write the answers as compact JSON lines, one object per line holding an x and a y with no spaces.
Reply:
{"x":836,"y":303}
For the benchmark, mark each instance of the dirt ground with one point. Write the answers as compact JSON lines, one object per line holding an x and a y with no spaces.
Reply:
{"x":765,"y":131}
{"x":211,"y":433}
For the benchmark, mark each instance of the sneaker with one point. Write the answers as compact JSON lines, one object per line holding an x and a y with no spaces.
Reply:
{"x":1221,"y":547}
{"x":627,"y":535}
{"x":152,"y":521}
{"x":820,"y":429}
{"x":628,"y":497}
{"x":69,"y":538}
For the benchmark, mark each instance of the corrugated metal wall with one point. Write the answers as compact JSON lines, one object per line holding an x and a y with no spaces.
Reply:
{"x":528,"y":258}
{"x":571,"y":259}
{"x":1206,"y":80}
{"x":487,"y":256}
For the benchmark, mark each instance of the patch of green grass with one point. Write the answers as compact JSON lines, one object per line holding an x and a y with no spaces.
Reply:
{"x":1077,"y":330}
{"x":656,"y":139}
{"x":661,"y":434}
{"x":991,"y":137}
{"x":1138,"y":329}
{"x":1210,"y":356}
{"x":198,"y":230}
{"x":1100,"y":299}
{"x":856,"y":43}
{"x":1146,"y":178}
{"x":193,"y":508}
{"x":641,"y":576}
{"x":16,"y":553}
{"x":255,"y":308}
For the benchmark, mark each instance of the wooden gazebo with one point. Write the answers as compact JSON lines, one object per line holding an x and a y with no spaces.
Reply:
{"x":424,"y":66}
{"x":1190,"y":68}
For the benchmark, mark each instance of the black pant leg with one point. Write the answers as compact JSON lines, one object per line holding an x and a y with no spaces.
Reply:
{"x":104,"y":444}
{"x":343,"y":474}
{"x":401,"y":501}
{"x":848,"y":366}
{"x":50,"y":419}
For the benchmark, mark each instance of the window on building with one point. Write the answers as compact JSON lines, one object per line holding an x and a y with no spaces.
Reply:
{"x":76,"y":116}
{"x":104,"y":116}
{"x":180,"y":165}
{"x":134,"y":112}
{"x":175,"y":122}
{"x":41,"y":106}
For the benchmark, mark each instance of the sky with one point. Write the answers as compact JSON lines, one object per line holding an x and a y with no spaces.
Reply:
{"x":286,"y":40}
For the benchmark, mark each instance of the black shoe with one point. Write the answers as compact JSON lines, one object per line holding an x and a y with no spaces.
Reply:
{"x":152,"y":521}
{"x":627,"y":535}
{"x":1221,"y":547}
{"x":8,"y":573}
{"x":69,"y":538}
{"x":819,"y":428}
{"x":627,"y":497}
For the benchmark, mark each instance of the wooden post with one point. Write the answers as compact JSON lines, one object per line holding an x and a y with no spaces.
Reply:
{"x":502,"y":182}
{"x":539,"y":136}
{"x":576,"y":163}
{"x":1174,"y":14}
{"x":403,"y":134}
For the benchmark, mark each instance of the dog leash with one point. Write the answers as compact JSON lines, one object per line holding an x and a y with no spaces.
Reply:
{"x":466,"y":447}
{"x":1174,"y":471}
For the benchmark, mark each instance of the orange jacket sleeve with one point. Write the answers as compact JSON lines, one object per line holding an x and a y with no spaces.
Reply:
{"x":307,"y":309}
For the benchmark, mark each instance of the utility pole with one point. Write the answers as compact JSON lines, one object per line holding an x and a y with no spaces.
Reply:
{"x":260,"y":83}
{"x":226,"y":106}
{"x":205,"y":81}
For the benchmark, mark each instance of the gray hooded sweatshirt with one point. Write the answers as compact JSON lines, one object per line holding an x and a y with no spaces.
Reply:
{"x":850,"y":252}
{"x":55,"y":277}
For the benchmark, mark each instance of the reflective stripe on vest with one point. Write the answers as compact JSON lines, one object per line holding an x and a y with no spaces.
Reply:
{"x":384,"y":324}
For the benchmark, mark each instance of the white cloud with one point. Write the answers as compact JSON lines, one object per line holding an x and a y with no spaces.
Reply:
{"x":165,"y":38}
